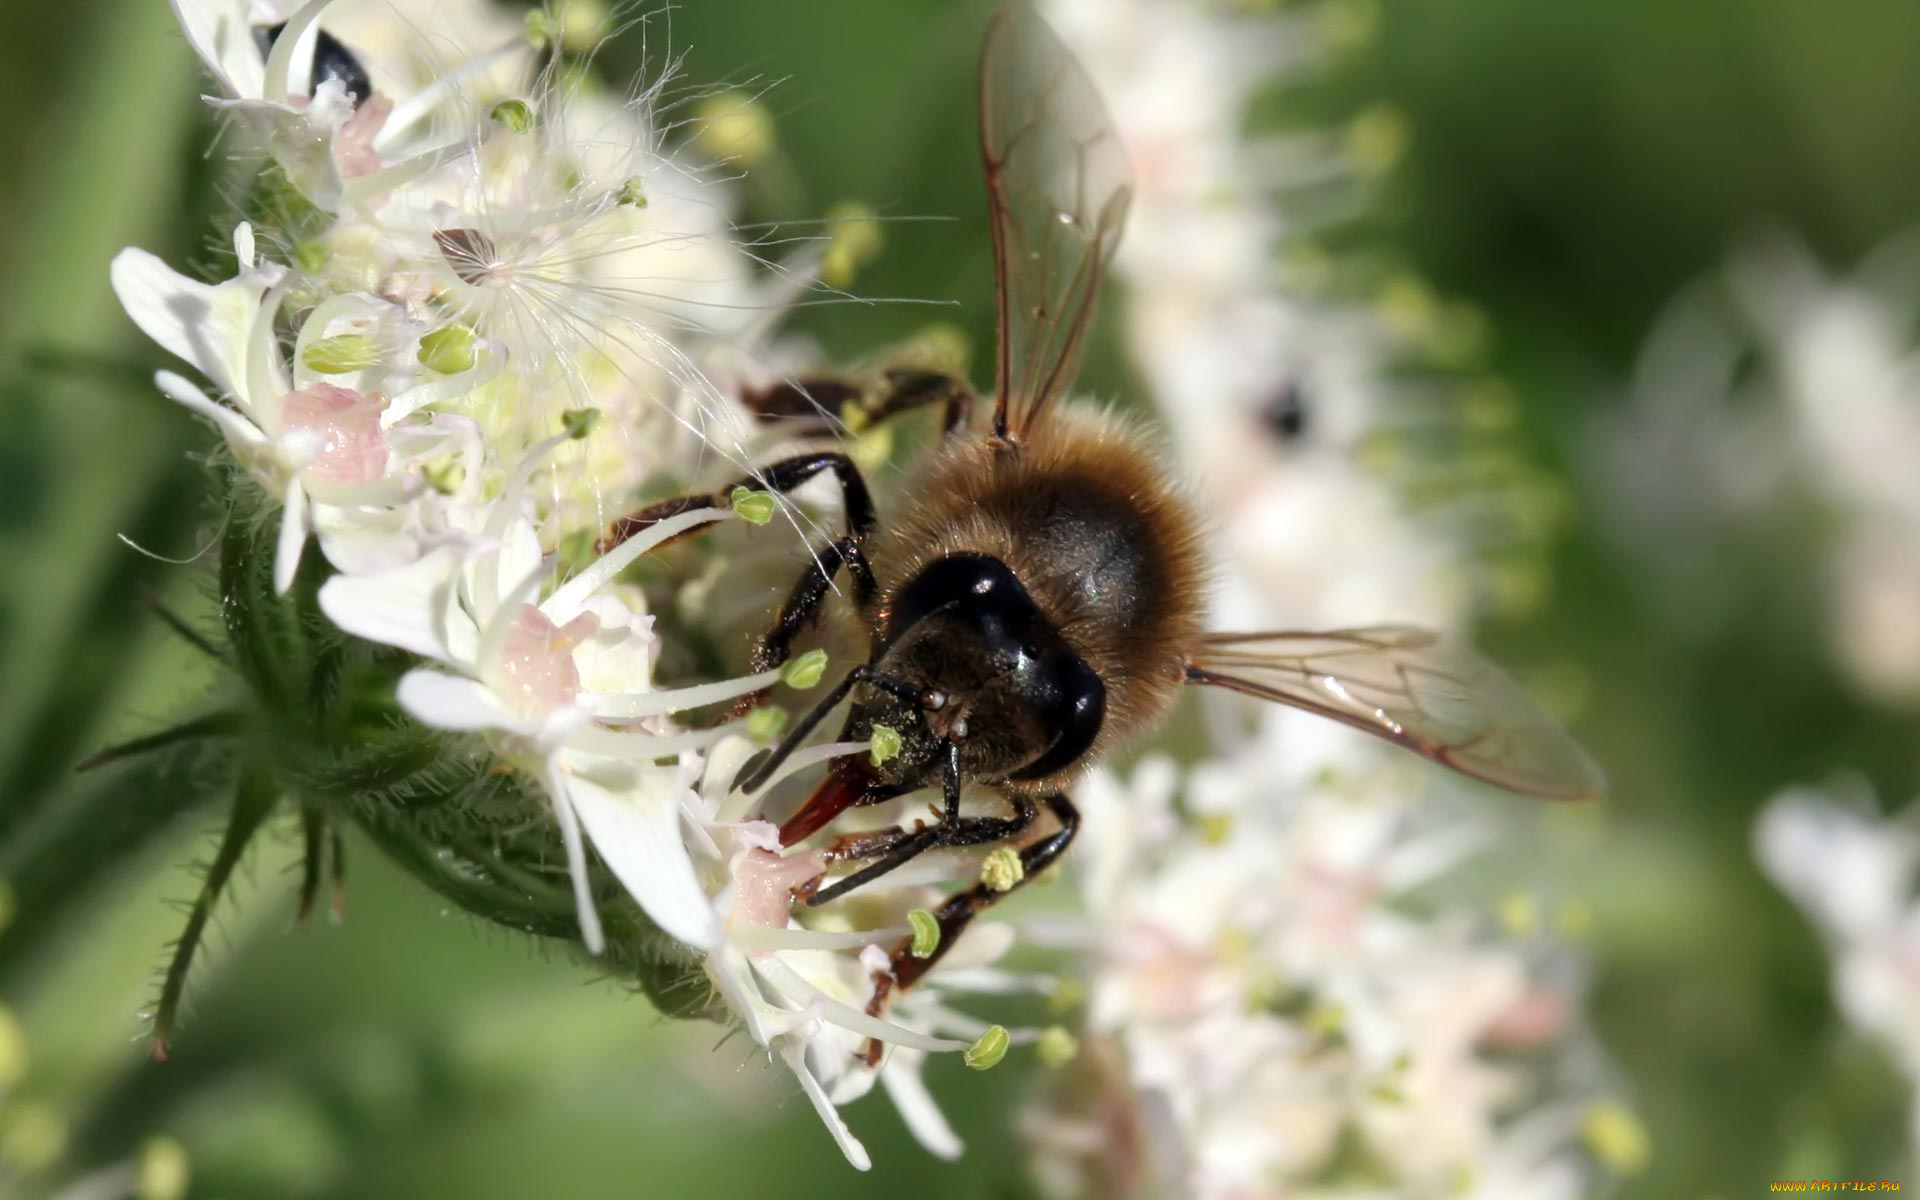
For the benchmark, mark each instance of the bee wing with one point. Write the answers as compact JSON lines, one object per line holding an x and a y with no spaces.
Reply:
{"x":1058,"y":188}
{"x":1409,"y":687}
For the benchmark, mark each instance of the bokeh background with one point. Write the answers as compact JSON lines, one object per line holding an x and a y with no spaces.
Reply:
{"x":1572,"y":167}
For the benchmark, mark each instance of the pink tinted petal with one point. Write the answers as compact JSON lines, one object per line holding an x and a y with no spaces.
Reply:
{"x":353,"y":447}
{"x":537,"y":671}
{"x":763,"y":886}
{"x":353,"y":144}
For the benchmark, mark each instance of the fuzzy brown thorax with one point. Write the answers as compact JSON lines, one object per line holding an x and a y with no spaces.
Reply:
{"x":1086,"y":519}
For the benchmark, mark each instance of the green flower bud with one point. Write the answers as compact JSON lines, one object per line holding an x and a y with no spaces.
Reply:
{"x":579,"y":422}
{"x":986,"y":1053}
{"x":341,"y":353}
{"x":632,"y":193}
{"x":448,"y":350}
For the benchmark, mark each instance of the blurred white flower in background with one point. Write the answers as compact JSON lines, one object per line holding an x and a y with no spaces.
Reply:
{"x":1774,"y":387}
{"x":1852,"y":871}
{"x":1270,"y":1009}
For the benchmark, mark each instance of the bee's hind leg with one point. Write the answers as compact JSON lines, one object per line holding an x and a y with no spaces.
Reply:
{"x":817,"y":402}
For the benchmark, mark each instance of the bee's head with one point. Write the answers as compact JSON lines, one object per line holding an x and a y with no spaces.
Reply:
{"x":971,"y":663}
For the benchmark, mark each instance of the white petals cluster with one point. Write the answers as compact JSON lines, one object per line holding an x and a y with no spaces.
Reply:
{"x":1779,"y":383}
{"x":1268,"y":1016}
{"x":1281,"y":1013}
{"x":488,"y":322}
{"x":1852,"y":871}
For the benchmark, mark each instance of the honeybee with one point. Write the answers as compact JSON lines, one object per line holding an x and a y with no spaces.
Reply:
{"x":1038,"y":598}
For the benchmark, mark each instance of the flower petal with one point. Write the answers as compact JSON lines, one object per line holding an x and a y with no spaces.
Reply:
{"x":564,"y":812}
{"x":222,"y":35}
{"x":795,"y":1055}
{"x":241,"y":433}
{"x":637,"y":832}
{"x":908,"y":1091}
{"x":454,"y":702}
{"x":293,"y":537}
{"x":205,"y":323}
{"x":401,"y":607}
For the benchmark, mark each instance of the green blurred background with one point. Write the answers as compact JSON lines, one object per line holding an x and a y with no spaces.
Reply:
{"x":1573,"y":165}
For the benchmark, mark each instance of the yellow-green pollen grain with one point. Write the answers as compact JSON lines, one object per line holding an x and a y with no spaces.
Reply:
{"x":1065,"y":996}
{"x":926,"y":933}
{"x":883,"y":744}
{"x":986,"y":1053}
{"x":341,"y":353}
{"x":734,"y":127}
{"x":541,"y":28}
{"x":582,"y":24}
{"x":32,"y":1138}
{"x":579,"y":422}
{"x":1519,"y":914}
{"x":448,"y":350}
{"x":516,"y":115}
{"x":854,"y":241}
{"x":1056,"y":1047}
{"x":1617,"y":1138}
{"x":162,"y":1172}
{"x":1215,"y":828}
{"x":1002,"y":870}
{"x":765,"y":723}
{"x":1377,"y":140}
{"x":805,"y":671}
{"x":755,"y":508}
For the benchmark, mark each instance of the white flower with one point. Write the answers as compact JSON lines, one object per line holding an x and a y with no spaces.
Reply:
{"x":801,"y":989}
{"x":1853,"y":873}
{"x":1804,"y":386}
{"x":320,"y":445}
{"x":551,"y":678}
{"x":327,"y":140}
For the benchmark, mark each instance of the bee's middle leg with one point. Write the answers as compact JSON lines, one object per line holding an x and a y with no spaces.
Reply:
{"x":782,"y":477}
